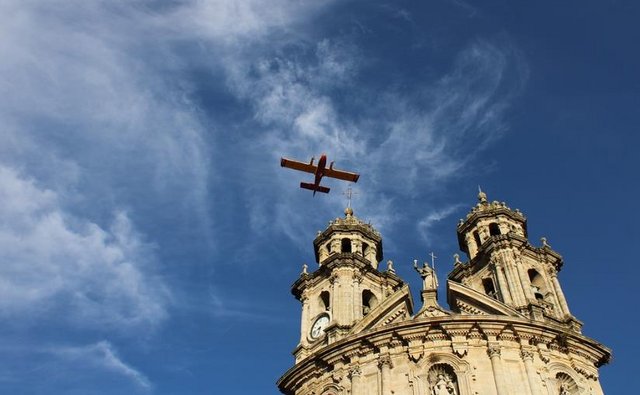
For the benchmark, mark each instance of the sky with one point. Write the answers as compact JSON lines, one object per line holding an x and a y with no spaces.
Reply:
{"x":149,"y":237}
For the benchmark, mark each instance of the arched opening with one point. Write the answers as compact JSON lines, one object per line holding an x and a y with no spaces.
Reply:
{"x":476,"y":237}
{"x":369,"y":301}
{"x":346,"y":245}
{"x":537,"y":284}
{"x":365,"y":249}
{"x":494,"y":229}
{"x":442,"y":380}
{"x":325,"y":300}
{"x":329,"y":248}
{"x":489,"y":288}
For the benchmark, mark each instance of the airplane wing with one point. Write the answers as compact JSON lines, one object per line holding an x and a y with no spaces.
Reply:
{"x":341,"y":175}
{"x":295,"y":165}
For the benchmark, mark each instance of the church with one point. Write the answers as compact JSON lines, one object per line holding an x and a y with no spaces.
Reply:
{"x":508,"y":329}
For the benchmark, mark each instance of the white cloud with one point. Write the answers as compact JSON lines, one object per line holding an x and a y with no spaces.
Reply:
{"x":52,"y":262}
{"x":426,"y":224}
{"x":102,"y":356}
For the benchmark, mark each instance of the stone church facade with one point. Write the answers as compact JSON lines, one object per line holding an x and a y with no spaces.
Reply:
{"x":509,"y":329}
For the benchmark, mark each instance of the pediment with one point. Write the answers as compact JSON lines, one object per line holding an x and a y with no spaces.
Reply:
{"x":470,"y":301}
{"x":396,"y":308}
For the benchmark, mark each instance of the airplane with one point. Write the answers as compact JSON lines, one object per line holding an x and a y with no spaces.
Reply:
{"x":320,"y":171}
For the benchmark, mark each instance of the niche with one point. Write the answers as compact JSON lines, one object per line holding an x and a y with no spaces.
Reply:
{"x":476,"y":237}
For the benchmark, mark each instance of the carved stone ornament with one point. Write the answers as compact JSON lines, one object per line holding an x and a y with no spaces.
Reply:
{"x":355,"y":371}
{"x":493,"y":351}
{"x":526,"y":355}
{"x":385,"y":360}
{"x":460,"y":348}
{"x":415,"y":352}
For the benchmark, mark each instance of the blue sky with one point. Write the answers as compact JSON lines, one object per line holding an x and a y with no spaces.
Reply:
{"x":149,"y":238}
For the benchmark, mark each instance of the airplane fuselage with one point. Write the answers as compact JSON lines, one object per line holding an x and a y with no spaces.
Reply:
{"x":322,"y":163}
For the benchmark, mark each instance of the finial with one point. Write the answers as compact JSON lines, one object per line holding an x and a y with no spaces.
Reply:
{"x":544,"y":242}
{"x":348,"y":212}
{"x":304,"y":269}
{"x":482,"y":197}
{"x":390,"y":268}
{"x":456,"y":260}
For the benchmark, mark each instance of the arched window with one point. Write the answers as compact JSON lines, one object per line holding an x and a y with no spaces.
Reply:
{"x":325,"y":300}
{"x":442,"y":380}
{"x":537,"y":284}
{"x":346,"y":245}
{"x":369,"y":301}
{"x":476,"y":237}
{"x":329,"y":247}
{"x":489,"y":288}
{"x":365,"y":249}
{"x":494,"y":229}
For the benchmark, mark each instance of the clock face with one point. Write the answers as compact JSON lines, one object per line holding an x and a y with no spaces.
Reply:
{"x":318,"y":327}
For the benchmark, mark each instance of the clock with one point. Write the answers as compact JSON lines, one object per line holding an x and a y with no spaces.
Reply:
{"x":317,"y":329}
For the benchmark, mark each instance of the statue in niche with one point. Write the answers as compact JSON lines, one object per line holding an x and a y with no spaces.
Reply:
{"x":443,"y":386}
{"x":564,"y":390}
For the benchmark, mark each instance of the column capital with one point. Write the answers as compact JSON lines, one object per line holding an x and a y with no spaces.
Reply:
{"x":385,"y":360}
{"x":494,"y":351}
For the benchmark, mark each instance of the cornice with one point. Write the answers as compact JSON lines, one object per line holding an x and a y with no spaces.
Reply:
{"x":340,"y":260}
{"x":500,"y":329}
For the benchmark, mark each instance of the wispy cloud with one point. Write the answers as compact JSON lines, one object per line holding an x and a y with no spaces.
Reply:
{"x":413,"y":139}
{"x":103,"y":356}
{"x":426,"y":224}
{"x":53,"y":261}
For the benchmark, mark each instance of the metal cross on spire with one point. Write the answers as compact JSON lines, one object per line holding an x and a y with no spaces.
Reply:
{"x":349,"y":194}
{"x":433,"y":260}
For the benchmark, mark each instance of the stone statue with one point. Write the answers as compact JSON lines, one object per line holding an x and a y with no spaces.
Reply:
{"x":428,"y":275}
{"x":390,"y":268}
{"x":563,"y":390}
{"x":443,"y":386}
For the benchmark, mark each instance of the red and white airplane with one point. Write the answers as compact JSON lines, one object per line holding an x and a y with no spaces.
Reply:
{"x":320,"y":171}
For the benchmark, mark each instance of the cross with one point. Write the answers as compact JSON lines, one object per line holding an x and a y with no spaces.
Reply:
{"x":349,"y":194}
{"x":433,"y":260}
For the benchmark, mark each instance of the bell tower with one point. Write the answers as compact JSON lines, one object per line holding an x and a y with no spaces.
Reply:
{"x":503,"y":265}
{"x":347,"y":289}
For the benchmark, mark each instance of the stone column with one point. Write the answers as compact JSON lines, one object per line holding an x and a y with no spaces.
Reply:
{"x":527,"y":357}
{"x":515,"y":284}
{"x":355,"y":374}
{"x":304,"y":322}
{"x":496,"y":366}
{"x":357,"y":297}
{"x":559,"y":294}
{"x":385,"y":365}
{"x":502,"y":283}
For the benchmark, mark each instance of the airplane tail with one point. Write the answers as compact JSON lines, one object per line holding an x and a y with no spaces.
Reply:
{"x":314,"y":188}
